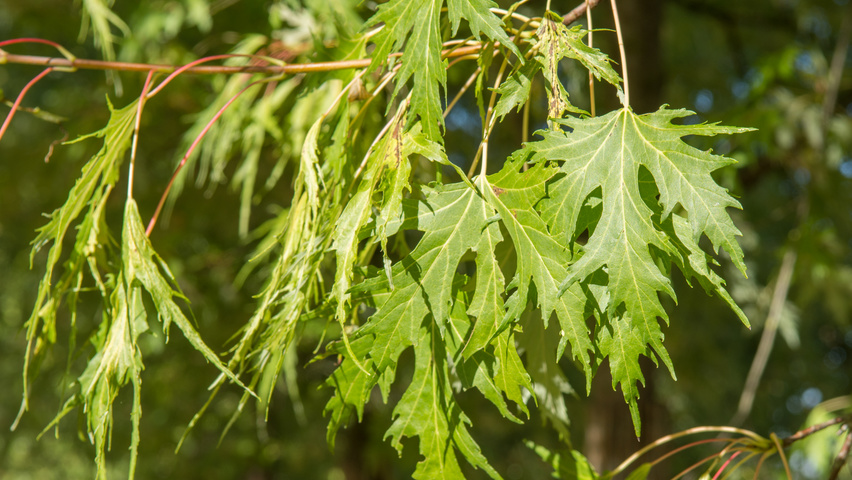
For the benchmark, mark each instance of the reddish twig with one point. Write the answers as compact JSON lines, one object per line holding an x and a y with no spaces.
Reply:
{"x":142,"y":97}
{"x":724,"y":465}
{"x":696,"y":465}
{"x":65,"y":53}
{"x":688,"y":446}
{"x":183,"y":160}
{"x":21,"y":97}
{"x":195,"y":63}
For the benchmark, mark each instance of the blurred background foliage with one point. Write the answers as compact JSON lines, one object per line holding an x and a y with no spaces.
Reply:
{"x":780,"y":66}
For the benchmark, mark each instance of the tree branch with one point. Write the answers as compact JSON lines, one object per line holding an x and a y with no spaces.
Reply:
{"x":578,"y":11}
{"x":841,"y":458}
{"x":87,"y":64}
{"x":767,"y":339}
{"x":787,"y":441}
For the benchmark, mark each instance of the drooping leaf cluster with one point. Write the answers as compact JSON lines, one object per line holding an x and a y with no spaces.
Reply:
{"x":490,"y":280}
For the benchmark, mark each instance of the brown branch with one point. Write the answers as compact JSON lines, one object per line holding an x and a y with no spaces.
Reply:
{"x":835,"y":73}
{"x":578,"y":11}
{"x":767,"y":338}
{"x":787,"y":441}
{"x":87,"y":64}
{"x":841,"y":457}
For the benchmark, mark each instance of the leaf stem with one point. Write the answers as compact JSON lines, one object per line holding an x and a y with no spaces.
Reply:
{"x":591,"y":76}
{"x":189,"y":66}
{"x":195,"y":143}
{"x":21,"y":98}
{"x":626,"y":99}
{"x":724,"y":465}
{"x":372,"y":96}
{"x":461,"y":91}
{"x":139,"y":107}
{"x":841,"y":457}
{"x":780,"y":449}
{"x":692,"y":431}
{"x":65,"y":53}
{"x":490,"y":120}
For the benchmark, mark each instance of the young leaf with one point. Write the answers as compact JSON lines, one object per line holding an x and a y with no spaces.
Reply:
{"x":143,"y":267}
{"x":415,"y":24}
{"x":481,"y":20}
{"x":92,"y":189}
{"x":555,"y":42}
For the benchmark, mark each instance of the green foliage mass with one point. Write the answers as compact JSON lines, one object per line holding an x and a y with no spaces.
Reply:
{"x":409,"y":278}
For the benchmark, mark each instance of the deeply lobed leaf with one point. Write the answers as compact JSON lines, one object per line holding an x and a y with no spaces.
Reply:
{"x":610,"y":170}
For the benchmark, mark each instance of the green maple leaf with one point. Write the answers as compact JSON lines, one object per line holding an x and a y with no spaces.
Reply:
{"x":425,"y":305}
{"x":481,"y":20}
{"x":428,"y":411}
{"x":415,"y":25}
{"x":615,"y":165}
{"x":494,"y":370}
{"x":514,"y":195}
{"x":454,"y":219}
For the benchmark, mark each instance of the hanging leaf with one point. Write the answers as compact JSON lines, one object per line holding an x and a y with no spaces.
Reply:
{"x":415,"y":25}
{"x":620,"y":161}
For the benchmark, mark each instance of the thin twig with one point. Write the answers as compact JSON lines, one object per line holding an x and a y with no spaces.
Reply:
{"x":787,"y":441}
{"x":760,"y":463}
{"x":488,"y":125}
{"x":724,"y":465}
{"x":695,"y":465}
{"x":692,"y":431}
{"x":195,"y":143}
{"x":353,"y":132}
{"x":841,"y":457}
{"x":835,"y":73}
{"x":579,"y":11}
{"x":767,"y":338}
{"x":461,"y":91}
{"x":591,"y":76}
{"x":139,"y":107}
{"x":621,"y":52}
{"x":21,"y":98}
{"x":189,"y":66}
{"x":65,"y":53}
{"x":686,"y":447}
